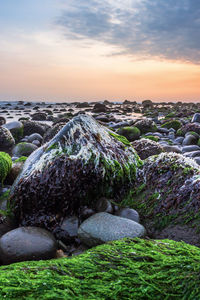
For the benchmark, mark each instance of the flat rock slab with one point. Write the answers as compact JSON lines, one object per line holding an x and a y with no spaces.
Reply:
{"x":103,"y":227}
{"x":27,"y":243}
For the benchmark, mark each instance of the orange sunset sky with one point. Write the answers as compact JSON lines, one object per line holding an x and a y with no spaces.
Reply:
{"x":95,"y":50}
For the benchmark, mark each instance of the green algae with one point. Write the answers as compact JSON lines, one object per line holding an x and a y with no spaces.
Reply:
{"x":120,"y":138}
{"x":21,"y":159}
{"x":151,"y":137}
{"x":131,"y":133}
{"x":175,"y":124}
{"x":124,"y":269}
{"x":5,"y":165}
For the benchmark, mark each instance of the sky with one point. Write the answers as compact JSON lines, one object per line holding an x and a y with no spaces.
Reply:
{"x":77,"y":50}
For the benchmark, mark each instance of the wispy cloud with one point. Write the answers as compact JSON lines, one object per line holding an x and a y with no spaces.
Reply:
{"x":152,"y":28}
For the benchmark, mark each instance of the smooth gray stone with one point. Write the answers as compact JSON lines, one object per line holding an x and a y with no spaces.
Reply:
{"x":197,"y":159}
{"x":103,"y":205}
{"x":190,"y":148}
{"x":103,"y":227}
{"x":189,"y":140}
{"x":169,"y":148}
{"x":35,"y":136}
{"x":27,"y":243}
{"x":70,"y":225}
{"x":163,"y":130}
{"x":192,"y":153}
{"x":179,"y":140}
{"x":128,"y":213}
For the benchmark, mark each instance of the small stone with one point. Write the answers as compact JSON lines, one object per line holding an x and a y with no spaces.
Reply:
{"x":70,"y":225}
{"x":128,"y":213}
{"x":196,"y":118}
{"x":104,"y":205}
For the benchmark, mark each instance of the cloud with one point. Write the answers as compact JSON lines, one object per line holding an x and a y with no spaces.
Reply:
{"x":149,"y":28}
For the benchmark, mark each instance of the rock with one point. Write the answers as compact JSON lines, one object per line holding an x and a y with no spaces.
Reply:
{"x":104,"y":205}
{"x":196,"y":118}
{"x":103,"y":227}
{"x":146,"y":125}
{"x":195,"y":127}
{"x":70,"y":226}
{"x":23,"y":149}
{"x":98,"y":107}
{"x":131,"y":133}
{"x":167,"y":193}
{"x":168,"y":148}
{"x":6,"y":139}
{"x":147,"y":103}
{"x":175,"y":124}
{"x":31,"y":127}
{"x":35,"y":136}
{"x":51,"y":132}
{"x":2,"y":121}
{"x":40,"y":116}
{"x":14,"y":172}
{"x":27,"y":243}
{"x":5,"y":165}
{"x":190,"y":148}
{"x":128,"y":213}
{"x":82,"y":163}
{"x":36,"y":143}
{"x":189,"y":140}
{"x":16,"y":129}
{"x":147,"y":147}
{"x":6,"y":224}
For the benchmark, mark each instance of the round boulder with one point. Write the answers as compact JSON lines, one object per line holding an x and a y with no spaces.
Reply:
{"x":27,"y":243}
{"x":6,"y":139}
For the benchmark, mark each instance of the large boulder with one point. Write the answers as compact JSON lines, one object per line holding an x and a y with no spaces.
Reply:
{"x":167,"y":197}
{"x":83,"y":162}
{"x":146,"y":147}
{"x":16,"y":128}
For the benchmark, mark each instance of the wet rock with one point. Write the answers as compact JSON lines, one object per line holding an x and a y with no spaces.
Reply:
{"x":190,"y":148}
{"x":196,"y":118}
{"x":103,"y":227}
{"x":35,"y":136}
{"x":81,"y":164}
{"x":168,"y":148}
{"x":23,"y":149}
{"x":70,"y":226}
{"x":131,"y":133}
{"x":16,"y":129}
{"x":189,"y":140}
{"x":2,"y":121}
{"x":6,"y":224}
{"x":40,"y":116}
{"x":146,"y":148}
{"x":31,"y":127}
{"x":146,"y":125}
{"x":6,"y":139}
{"x":98,"y":107}
{"x":51,"y":132}
{"x":128,"y":213}
{"x":14,"y":172}
{"x":27,"y":243}
{"x":104,"y":205}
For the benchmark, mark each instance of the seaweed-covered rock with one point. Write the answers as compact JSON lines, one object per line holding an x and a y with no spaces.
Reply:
{"x":23,"y":149}
{"x":126,"y":269}
{"x":83,"y":162}
{"x":16,"y":128}
{"x":131,"y":133}
{"x":195,"y":127}
{"x":6,"y":139}
{"x":51,"y":132}
{"x":33,"y":127}
{"x":175,"y":124}
{"x":5,"y":165}
{"x":147,"y":147}
{"x":146,"y":125}
{"x":168,"y":194}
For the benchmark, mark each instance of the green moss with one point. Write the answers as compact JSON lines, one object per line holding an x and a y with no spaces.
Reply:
{"x":180,"y":132}
{"x":18,"y":133}
{"x":21,"y":159}
{"x":5,"y":165}
{"x":151,"y":137}
{"x":120,"y":138}
{"x":170,"y":115}
{"x":131,"y":133}
{"x":175,"y":124}
{"x":126,"y":269}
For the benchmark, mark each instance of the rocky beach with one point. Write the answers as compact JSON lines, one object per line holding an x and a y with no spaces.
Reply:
{"x":99,"y":200}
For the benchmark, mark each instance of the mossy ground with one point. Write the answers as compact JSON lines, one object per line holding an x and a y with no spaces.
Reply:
{"x":5,"y":165}
{"x":125,"y":269}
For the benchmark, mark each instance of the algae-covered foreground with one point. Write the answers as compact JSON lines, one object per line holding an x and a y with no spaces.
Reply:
{"x":126,"y":269}
{"x":82,"y":163}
